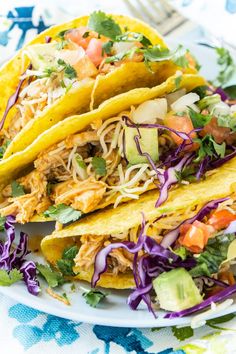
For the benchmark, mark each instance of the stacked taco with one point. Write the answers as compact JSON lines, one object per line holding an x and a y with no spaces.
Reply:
{"x":75,"y":66}
{"x":105,"y":129}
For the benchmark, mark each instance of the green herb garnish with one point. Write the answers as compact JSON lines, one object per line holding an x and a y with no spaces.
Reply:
{"x":199,"y":120}
{"x":104,"y":25}
{"x":69,"y":71}
{"x":52,"y":277}
{"x":9,"y":278}
{"x":208,"y":147}
{"x":228,"y":67}
{"x":4,"y":147}
{"x":93,"y":297}
{"x":99,"y":165}
{"x":62,"y":213}
{"x":66,"y":263}
{"x":17,"y":189}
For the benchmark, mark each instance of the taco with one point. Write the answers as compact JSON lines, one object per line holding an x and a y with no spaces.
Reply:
{"x":181,"y":249}
{"x":90,"y":161}
{"x":71,"y":67}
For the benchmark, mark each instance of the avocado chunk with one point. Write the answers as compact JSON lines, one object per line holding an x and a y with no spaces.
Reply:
{"x":42,"y":55}
{"x":148,"y":143}
{"x":176,"y":290}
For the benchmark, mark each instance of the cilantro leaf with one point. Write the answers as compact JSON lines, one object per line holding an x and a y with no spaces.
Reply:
{"x":227,"y":121}
{"x":199,"y":120}
{"x":69,"y":71}
{"x":4,"y":147}
{"x":61,"y":34}
{"x":99,"y":165}
{"x":70,"y":252}
{"x":182,"y":333}
{"x":133,"y":37}
{"x":208,"y":147}
{"x":94,"y":297}
{"x":157,"y":53}
{"x":215,"y":253}
{"x":52,"y":277}
{"x":2,"y":223}
{"x":221,"y":319}
{"x":178,"y":81}
{"x":80,"y":161}
{"x":107,"y":47}
{"x":227,"y":65}
{"x":104,"y":25}
{"x":66,"y":263}
{"x":17,"y":189}
{"x":9,"y":278}
{"x":86,"y":34}
{"x":181,"y":252}
{"x":62,"y":213}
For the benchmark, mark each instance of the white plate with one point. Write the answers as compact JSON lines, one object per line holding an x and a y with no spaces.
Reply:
{"x":114,"y":311}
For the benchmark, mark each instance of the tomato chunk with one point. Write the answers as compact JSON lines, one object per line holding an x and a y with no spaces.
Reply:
{"x":181,"y":124}
{"x":220,"y":219}
{"x":94,"y":51}
{"x":194,"y":237}
{"x":76,"y":36}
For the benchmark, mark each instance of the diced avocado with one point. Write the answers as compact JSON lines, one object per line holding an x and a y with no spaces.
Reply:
{"x":42,"y":55}
{"x":176,"y":290}
{"x":148,"y":143}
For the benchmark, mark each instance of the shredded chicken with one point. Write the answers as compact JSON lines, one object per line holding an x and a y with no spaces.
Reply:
{"x":84,"y":195}
{"x":81,"y":139}
{"x":91,"y":245}
{"x":35,"y":201}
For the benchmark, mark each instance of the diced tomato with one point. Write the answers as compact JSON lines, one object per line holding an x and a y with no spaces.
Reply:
{"x":181,"y":124}
{"x":194,"y":237}
{"x":94,"y":51}
{"x":220,"y":134}
{"x":220,"y":219}
{"x":76,"y":36}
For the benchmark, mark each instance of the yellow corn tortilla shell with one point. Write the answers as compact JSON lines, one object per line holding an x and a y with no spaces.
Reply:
{"x":77,"y":100}
{"x":220,"y":184}
{"x":14,"y":166}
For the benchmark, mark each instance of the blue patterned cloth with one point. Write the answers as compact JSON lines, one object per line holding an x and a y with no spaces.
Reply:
{"x":26,"y":330}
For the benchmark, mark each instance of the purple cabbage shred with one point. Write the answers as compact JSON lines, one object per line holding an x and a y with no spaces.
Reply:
{"x":15,"y":258}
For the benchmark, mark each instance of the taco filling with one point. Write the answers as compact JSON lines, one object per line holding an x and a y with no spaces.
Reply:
{"x":176,"y":139}
{"x":183,"y":274}
{"x":73,"y":57}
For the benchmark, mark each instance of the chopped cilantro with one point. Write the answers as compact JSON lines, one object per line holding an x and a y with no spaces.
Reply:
{"x":9,"y":278}
{"x":107,"y":47}
{"x":86,"y":34}
{"x":199,"y":120}
{"x":17,"y":189}
{"x":66,"y":263}
{"x":227,"y":65}
{"x":181,"y":252}
{"x":69,"y":71}
{"x":47,"y":72}
{"x":104,"y":25}
{"x":52,"y":277}
{"x":208,"y":147}
{"x":62,"y":44}
{"x":99,"y":165}
{"x":187,"y":174}
{"x":61,"y":34}
{"x":62,"y":213}
{"x":133,"y":37}
{"x":93,"y":297}
{"x":4,"y":147}
{"x":178,"y":81}
{"x":227,"y":121}
{"x":80,"y":161}
{"x":182,"y":333}
{"x":201,"y":91}
{"x":2,"y":223}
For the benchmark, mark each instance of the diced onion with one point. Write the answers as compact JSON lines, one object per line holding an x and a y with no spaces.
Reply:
{"x":220,"y":109}
{"x":174,"y":96}
{"x":71,"y":56}
{"x":149,"y":111}
{"x":185,"y":101}
{"x":233,"y":108}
